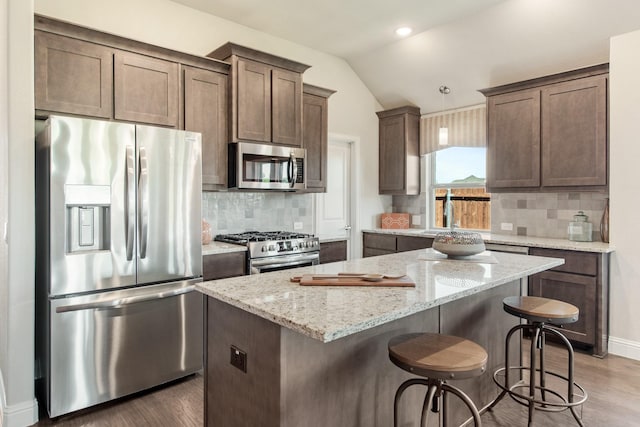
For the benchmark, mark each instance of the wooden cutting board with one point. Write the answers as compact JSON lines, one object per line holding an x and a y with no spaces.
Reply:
{"x":316,"y":280}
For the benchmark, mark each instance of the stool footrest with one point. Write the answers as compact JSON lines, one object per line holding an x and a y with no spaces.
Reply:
{"x":565,"y":402}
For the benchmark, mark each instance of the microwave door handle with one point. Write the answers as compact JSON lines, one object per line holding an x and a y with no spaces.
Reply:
{"x":293,"y":168}
{"x":143,"y":202}
{"x":130,"y":201}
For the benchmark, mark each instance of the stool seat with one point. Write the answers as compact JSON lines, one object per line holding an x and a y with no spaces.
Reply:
{"x":438,"y":356}
{"x":543,"y":310}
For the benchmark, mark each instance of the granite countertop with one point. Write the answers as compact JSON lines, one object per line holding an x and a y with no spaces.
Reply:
{"x":507,"y":239}
{"x":214,"y":248}
{"x":327,"y":313}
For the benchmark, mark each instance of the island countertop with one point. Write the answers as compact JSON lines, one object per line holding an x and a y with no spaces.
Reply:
{"x":327,"y":313}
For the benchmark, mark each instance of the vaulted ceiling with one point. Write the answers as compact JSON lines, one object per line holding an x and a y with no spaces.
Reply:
{"x":464,"y":44}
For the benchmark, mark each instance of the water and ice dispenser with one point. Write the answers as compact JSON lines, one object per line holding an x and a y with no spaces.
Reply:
{"x":87,"y":217}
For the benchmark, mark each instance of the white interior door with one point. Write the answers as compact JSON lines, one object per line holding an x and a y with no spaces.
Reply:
{"x":334,"y":206}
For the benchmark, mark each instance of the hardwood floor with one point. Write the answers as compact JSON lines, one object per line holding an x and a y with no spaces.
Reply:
{"x":612,"y":383}
{"x":177,"y":404}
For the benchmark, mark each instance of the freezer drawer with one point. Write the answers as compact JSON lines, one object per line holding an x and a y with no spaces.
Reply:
{"x":115,"y":343}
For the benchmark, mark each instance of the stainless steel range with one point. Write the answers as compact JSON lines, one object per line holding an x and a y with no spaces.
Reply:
{"x":276,"y":250}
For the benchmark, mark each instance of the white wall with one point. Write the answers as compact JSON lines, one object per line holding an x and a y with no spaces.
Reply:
{"x":16,"y":276}
{"x":625,"y":193}
{"x":351,"y":109}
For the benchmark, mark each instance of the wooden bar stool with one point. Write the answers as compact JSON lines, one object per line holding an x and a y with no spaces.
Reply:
{"x":540,"y":312}
{"x":437,"y":358}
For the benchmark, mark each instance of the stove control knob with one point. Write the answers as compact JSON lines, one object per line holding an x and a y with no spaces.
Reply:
{"x":263,"y":249}
{"x":303,"y":245}
{"x":272,"y":247}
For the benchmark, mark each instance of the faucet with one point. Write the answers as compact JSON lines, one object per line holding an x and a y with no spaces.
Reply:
{"x":450,"y":214}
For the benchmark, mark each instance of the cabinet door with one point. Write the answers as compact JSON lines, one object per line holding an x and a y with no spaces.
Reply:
{"x":72,"y":76}
{"x":221,"y":266}
{"x":315,"y":141}
{"x":146,"y":89}
{"x":575,"y":289}
{"x":392,"y":163}
{"x":513,"y":146}
{"x":379,"y":243}
{"x":333,"y":251}
{"x":205,"y":111}
{"x":253,"y":101}
{"x":286,"y":107}
{"x":574,"y":133}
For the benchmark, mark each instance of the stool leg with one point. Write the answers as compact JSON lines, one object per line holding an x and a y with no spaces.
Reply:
{"x":532,"y":373}
{"x":466,"y":400}
{"x":570,"y":354}
{"x":507,"y":341}
{"x":428,"y":400}
{"x":543,"y":381}
{"x":408,"y":383}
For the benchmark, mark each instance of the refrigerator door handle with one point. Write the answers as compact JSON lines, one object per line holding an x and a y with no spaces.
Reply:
{"x":123,"y":301}
{"x":130,"y":202}
{"x":143,"y":195}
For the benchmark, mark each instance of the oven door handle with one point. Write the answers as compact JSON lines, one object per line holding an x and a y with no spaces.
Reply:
{"x":282,"y":261}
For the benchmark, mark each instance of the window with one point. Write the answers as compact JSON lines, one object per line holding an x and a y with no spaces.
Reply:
{"x":459,"y":175}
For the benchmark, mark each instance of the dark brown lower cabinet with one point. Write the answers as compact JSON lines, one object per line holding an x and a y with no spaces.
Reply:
{"x":221,"y":266}
{"x":382,"y":244}
{"x":583,"y":280}
{"x":333,"y":251}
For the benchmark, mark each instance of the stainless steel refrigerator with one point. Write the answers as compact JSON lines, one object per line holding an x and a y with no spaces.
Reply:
{"x":118,"y":251}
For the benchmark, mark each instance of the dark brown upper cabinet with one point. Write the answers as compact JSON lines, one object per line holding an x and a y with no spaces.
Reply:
{"x":73,"y":76}
{"x":266,"y":95}
{"x":514,"y":131}
{"x":399,"y":151}
{"x":145,"y":89}
{"x":315,"y":119}
{"x":205,"y":111}
{"x":81,"y":71}
{"x":550,"y":133}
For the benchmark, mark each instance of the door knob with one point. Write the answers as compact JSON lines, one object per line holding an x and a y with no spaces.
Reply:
{"x":348,"y":227}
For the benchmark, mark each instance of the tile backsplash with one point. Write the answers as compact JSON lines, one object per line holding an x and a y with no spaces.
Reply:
{"x":234,"y":212}
{"x":545,"y":214}
{"x":530,"y":214}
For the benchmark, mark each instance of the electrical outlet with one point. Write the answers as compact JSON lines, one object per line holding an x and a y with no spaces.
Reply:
{"x":415,"y":219}
{"x":506,"y":226}
{"x":297,"y":226}
{"x":239,"y":358}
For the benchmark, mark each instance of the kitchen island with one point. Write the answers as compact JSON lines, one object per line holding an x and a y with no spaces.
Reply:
{"x":317,"y":356}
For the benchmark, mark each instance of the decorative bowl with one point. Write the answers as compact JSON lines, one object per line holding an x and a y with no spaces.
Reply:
{"x":458,"y":243}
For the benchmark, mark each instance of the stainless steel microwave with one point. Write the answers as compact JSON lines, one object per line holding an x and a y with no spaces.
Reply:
{"x":267,"y":167}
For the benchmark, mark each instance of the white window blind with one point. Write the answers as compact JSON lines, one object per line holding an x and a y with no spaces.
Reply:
{"x":466,"y":127}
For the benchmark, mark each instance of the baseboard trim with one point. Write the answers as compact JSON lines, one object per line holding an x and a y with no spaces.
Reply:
{"x":624,"y":348}
{"x":20,"y":415}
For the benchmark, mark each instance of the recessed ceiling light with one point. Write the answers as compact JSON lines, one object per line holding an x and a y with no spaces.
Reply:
{"x":403,"y":31}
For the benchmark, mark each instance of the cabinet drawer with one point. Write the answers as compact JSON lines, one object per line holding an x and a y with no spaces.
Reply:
{"x":584,"y":263}
{"x":408,"y":243}
{"x":380,"y":241}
